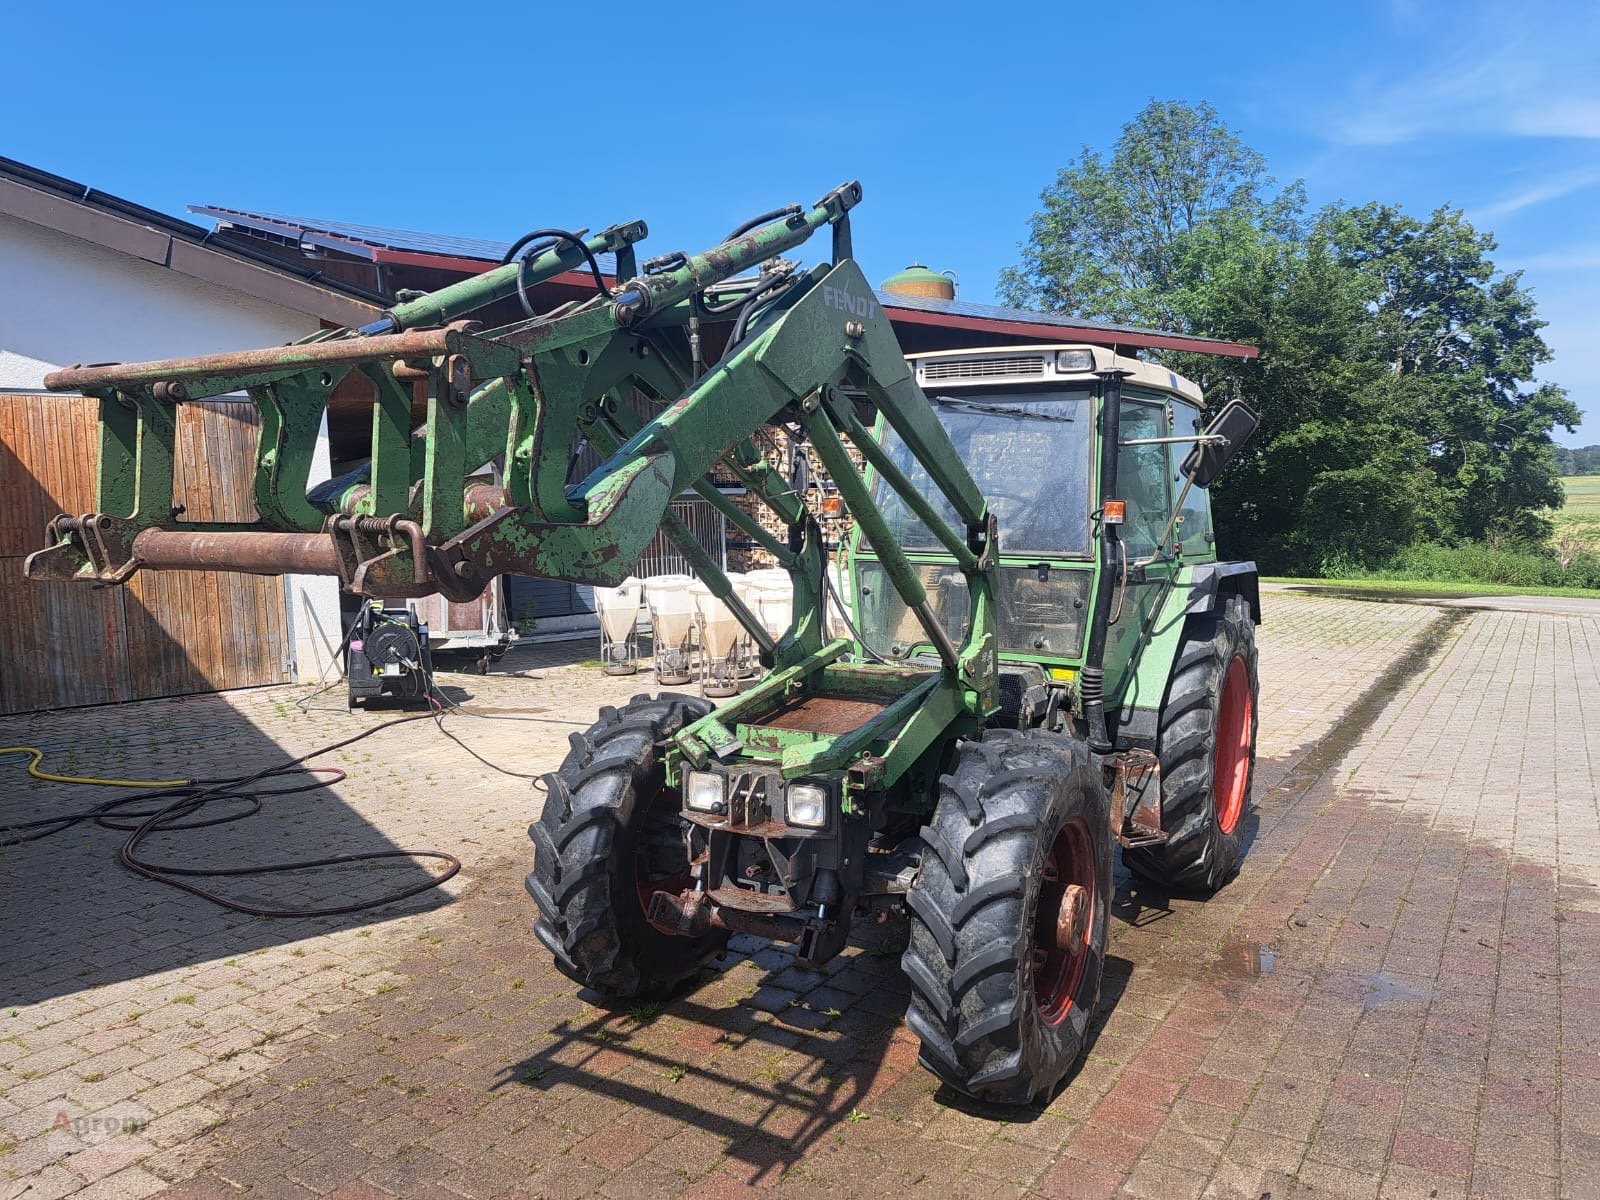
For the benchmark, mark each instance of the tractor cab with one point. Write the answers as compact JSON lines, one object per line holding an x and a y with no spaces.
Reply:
{"x":1029,"y":424}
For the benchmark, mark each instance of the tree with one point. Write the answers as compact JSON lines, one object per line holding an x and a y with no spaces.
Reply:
{"x":1461,"y":344}
{"x":1578,"y":460}
{"x":1396,"y":380}
{"x":1123,"y":239}
{"x":1332,"y":474}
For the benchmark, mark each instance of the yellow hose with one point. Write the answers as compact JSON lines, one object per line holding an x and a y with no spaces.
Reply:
{"x":38,"y":757}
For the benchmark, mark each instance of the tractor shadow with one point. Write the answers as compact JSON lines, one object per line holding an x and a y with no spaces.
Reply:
{"x":770,"y":1058}
{"x":756,"y":1051}
{"x":1140,"y":902}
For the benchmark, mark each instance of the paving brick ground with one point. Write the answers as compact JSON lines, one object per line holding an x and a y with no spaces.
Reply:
{"x":1399,"y":995}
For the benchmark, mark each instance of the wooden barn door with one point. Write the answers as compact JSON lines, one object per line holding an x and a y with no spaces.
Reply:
{"x":163,"y":634}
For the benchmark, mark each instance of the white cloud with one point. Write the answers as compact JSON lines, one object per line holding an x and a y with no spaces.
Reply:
{"x":1570,"y":258}
{"x":1554,"y":188}
{"x":1475,"y":69}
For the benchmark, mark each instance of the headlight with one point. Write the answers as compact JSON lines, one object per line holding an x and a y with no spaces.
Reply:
{"x":1075,"y":360}
{"x":703,"y":792}
{"x":807,"y":804}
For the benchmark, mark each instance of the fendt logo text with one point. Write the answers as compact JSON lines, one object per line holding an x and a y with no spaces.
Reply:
{"x":856,"y":306}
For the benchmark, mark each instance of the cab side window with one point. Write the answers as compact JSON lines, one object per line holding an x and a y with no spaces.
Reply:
{"x":1142,"y":477}
{"x":1193,"y":530}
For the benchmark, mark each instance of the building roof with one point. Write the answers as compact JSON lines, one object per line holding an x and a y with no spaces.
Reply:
{"x":1021,"y":322}
{"x":372,"y":242}
{"x":80,"y":211}
{"x":470,"y":255}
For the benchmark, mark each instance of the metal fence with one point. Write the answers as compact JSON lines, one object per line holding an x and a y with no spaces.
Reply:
{"x":710,"y":529}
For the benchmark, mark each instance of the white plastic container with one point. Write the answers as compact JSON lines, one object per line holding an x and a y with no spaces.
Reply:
{"x":720,"y":630}
{"x":748,"y":589}
{"x":618,"y":609}
{"x":774,"y":602}
{"x":672,"y":616}
{"x":720,"y":634}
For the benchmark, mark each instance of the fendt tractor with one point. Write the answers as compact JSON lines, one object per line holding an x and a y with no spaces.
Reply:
{"x":1041,"y":658}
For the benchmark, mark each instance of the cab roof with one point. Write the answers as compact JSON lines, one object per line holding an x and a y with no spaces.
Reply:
{"x":1043,"y":364}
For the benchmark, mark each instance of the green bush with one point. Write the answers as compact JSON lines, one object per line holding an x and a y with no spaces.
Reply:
{"x":1475,"y":562}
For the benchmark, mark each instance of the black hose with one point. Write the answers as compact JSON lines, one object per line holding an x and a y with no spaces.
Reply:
{"x":717,"y":309}
{"x":1091,"y":679}
{"x":759,"y":296}
{"x":438,"y":717}
{"x":557,"y":236}
{"x":187,"y":800}
{"x":788,"y":210}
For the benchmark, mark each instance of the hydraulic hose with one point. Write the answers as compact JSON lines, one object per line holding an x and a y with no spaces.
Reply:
{"x":558,"y":236}
{"x":766,"y":218}
{"x":760,"y":295}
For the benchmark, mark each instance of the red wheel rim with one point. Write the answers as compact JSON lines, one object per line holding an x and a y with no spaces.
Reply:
{"x":667,"y":800}
{"x":1231,"y":758}
{"x":1063,"y":927}
{"x":671,"y":884}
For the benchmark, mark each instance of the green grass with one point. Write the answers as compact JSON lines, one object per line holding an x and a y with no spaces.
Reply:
{"x":1423,"y":589}
{"x":1580,"y":515}
{"x":1583,"y":492}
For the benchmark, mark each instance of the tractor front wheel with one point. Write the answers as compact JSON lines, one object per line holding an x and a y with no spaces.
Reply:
{"x":609,"y":838}
{"x":1009,"y":915}
{"x":1207,"y":747}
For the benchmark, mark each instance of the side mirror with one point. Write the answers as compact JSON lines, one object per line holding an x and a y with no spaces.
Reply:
{"x":1229,"y":430}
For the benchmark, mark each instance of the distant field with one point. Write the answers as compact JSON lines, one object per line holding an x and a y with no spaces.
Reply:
{"x":1583,"y":492}
{"x":1581,"y":513}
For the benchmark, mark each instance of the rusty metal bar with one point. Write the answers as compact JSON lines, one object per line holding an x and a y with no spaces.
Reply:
{"x":422,"y":343}
{"x":774,"y":928}
{"x":253,"y":553}
{"x":691,"y":914}
{"x":482,"y":499}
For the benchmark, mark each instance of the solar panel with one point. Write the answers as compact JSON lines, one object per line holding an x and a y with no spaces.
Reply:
{"x":353,"y":238}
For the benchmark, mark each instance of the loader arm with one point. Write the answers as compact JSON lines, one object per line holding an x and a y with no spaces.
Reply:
{"x":410,"y":523}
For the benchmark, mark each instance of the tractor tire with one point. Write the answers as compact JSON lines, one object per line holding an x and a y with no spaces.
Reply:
{"x":1206,"y":742}
{"x":1002,"y":1000}
{"x":609,"y":837}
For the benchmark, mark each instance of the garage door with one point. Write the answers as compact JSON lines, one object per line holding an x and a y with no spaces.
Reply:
{"x":164,"y":634}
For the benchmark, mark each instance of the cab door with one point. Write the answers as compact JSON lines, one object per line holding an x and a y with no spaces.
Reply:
{"x":1140,"y":586}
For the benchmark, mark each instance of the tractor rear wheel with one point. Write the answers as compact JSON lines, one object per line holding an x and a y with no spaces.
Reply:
{"x":609,"y":838}
{"x":1009,"y":915}
{"x":1207,"y":747}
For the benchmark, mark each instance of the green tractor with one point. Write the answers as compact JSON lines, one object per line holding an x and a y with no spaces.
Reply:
{"x":1041,"y":657}
{"x":1122,"y":709}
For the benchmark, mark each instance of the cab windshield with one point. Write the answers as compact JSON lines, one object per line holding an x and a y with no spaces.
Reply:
{"x":1028,"y":452}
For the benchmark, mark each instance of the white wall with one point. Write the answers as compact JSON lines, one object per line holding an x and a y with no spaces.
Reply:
{"x":314,"y":620}
{"x":66,"y":301}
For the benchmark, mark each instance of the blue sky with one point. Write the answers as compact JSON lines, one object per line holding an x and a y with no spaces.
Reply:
{"x":489,"y":119}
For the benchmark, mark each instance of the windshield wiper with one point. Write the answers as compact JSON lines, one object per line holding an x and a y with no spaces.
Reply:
{"x":974,"y":406}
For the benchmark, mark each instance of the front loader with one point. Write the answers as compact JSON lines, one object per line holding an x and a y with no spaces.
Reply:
{"x":1043,"y":658}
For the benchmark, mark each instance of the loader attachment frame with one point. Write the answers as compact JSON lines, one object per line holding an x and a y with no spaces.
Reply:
{"x":410,"y":523}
